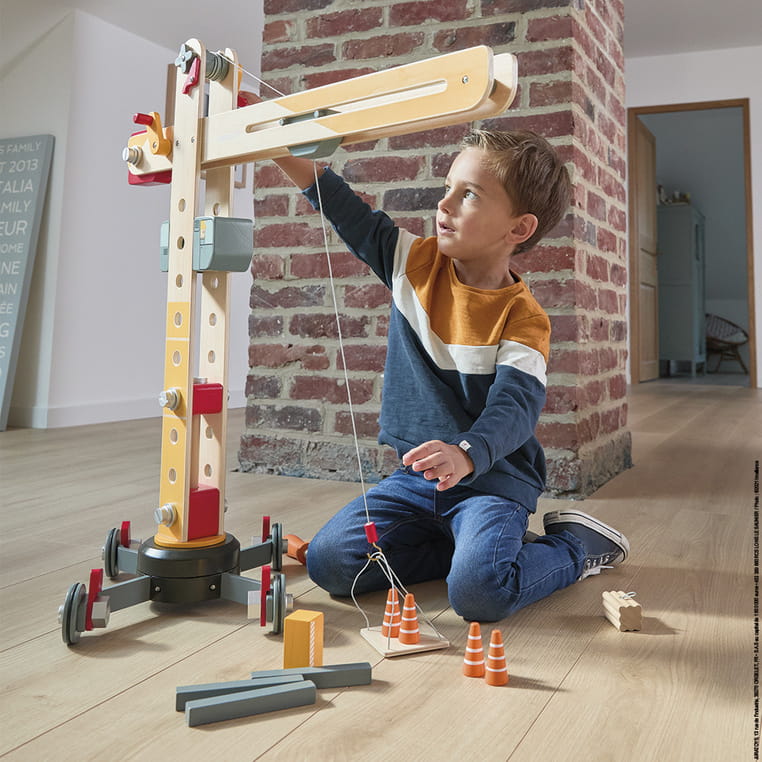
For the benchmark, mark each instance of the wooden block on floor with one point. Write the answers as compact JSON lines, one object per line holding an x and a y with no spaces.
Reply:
{"x":622,"y":610}
{"x":186,"y":693}
{"x":303,"y":639}
{"x":232,"y":706}
{"x":329,"y":676}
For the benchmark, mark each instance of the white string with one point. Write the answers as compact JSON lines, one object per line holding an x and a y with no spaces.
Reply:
{"x":341,"y":342}
{"x":394,"y":581}
{"x":252,"y":75}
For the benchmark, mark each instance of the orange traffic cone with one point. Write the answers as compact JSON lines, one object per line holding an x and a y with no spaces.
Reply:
{"x":473,"y":663}
{"x":409,"y":633}
{"x":391,"y":626}
{"x":497,"y":671}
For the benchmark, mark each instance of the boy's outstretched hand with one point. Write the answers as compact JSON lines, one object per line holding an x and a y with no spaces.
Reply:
{"x":439,"y":460}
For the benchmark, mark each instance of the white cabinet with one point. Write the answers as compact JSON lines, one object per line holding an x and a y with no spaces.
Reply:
{"x":681,"y":286}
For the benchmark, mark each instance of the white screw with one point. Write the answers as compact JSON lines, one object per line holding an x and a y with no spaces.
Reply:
{"x":166,"y":515}
{"x":170,"y":398}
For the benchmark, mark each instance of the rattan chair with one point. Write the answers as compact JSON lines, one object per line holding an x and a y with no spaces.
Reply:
{"x":724,"y":339}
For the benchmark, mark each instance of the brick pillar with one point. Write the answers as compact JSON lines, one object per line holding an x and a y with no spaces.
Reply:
{"x":572,"y":91}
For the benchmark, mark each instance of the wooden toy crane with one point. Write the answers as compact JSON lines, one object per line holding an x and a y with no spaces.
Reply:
{"x":191,"y":558}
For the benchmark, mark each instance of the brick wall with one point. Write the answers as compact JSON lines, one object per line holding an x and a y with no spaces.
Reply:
{"x":572,"y":91}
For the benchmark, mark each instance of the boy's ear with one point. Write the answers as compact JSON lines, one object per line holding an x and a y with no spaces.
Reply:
{"x":523,"y":228}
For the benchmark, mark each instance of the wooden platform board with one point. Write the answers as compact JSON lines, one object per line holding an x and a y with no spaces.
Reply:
{"x":389,"y":647}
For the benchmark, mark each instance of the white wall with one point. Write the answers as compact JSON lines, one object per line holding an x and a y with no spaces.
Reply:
{"x":710,"y":76}
{"x":93,"y":344}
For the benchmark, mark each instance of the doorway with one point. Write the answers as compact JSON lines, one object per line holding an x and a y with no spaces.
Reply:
{"x":700,"y":159}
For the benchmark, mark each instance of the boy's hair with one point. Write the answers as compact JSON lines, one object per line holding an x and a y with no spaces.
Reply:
{"x":529,"y":169}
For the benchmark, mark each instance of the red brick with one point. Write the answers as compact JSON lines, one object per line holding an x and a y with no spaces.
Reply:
{"x":263,"y":387}
{"x":267,"y":267}
{"x":441,"y":163}
{"x":617,"y":387}
{"x":599,"y":329}
{"x":272,"y":205}
{"x":549,"y":28}
{"x":278,"y":31}
{"x":287,"y":234}
{"x":368,"y":296}
{"x":459,"y":38}
{"x":422,"y":11}
{"x":497,"y":7}
{"x":565,"y":328}
{"x":596,"y":267}
{"x":306,"y":55}
{"x":330,"y":389}
{"x":363,"y":357}
{"x":283,"y":355}
{"x":561,"y":399}
{"x":291,"y":417}
{"x":442,"y":136}
{"x":343,"y":264}
{"x":289,"y":296}
{"x":582,"y":362}
{"x":265,"y":325}
{"x":544,"y":259}
{"x":412,"y":199}
{"x":608,"y":301}
{"x":606,"y":240}
{"x":259,"y":451}
{"x":550,"y":125}
{"x":618,"y":275}
{"x":344,"y":22}
{"x":556,"y":293}
{"x":268,"y":175}
{"x":312,"y":325}
{"x":550,"y":93}
{"x":545,"y":61}
{"x":382,"y":168}
{"x":366,"y":424}
{"x":617,"y":218}
{"x":390,"y":45}
{"x":274,"y":7}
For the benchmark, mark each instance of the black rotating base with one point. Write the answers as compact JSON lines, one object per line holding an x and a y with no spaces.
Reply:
{"x":188,"y":575}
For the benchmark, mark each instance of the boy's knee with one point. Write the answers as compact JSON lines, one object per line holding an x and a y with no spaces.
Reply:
{"x":325,"y":568}
{"x":478,"y":598}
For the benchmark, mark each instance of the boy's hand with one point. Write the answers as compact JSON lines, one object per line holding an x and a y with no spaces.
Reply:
{"x":439,"y":460}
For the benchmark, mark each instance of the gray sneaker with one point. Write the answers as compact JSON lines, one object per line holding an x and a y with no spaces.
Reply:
{"x":605,"y":547}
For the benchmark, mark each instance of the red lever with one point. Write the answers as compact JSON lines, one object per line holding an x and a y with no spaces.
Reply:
{"x":146,"y":119}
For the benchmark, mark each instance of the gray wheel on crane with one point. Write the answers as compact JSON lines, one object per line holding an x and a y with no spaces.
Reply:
{"x":72,"y":614}
{"x":110,"y":549}
{"x":278,"y":593}
{"x":276,"y":537}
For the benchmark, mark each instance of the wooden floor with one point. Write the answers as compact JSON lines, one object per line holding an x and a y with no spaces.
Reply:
{"x":682,"y":689}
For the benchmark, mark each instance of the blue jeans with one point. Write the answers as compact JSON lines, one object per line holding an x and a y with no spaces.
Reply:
{"x":471,"y":539}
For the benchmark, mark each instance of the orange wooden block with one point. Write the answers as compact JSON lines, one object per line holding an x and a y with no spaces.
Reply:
{"x":303,"y":639}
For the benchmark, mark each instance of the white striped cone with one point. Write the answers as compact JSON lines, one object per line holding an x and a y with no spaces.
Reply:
{"x":409,"y":632}
{"x":391,"y":625}
{"x":497,"y":671}
{"x":473,"y":662}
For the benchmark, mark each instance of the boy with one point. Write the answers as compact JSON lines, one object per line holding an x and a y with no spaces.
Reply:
{"x":464,"y":385}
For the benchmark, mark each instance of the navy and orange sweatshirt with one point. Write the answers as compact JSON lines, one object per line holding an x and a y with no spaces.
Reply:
{"x":464,"y":365}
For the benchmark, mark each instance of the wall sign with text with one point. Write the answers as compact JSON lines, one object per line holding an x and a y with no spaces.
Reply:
{"x":24,"y":169}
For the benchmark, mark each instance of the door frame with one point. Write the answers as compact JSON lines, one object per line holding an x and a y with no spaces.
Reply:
{"x":634,"y":113}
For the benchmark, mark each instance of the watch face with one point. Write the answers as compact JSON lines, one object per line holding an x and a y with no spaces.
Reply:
{"x":465,"y":446}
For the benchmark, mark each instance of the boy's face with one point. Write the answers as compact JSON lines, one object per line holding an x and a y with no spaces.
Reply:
{"x":475,"y":218}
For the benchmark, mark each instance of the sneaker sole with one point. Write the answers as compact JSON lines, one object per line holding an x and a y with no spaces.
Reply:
{"x":578,"y":517}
